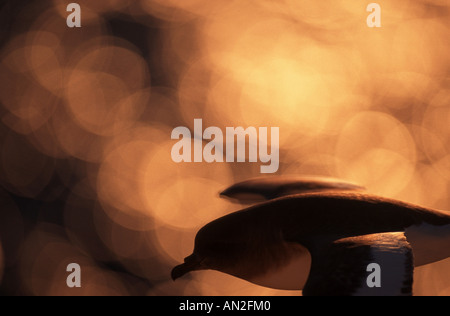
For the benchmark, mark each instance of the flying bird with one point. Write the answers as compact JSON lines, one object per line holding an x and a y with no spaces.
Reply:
{"x":321,"y":242}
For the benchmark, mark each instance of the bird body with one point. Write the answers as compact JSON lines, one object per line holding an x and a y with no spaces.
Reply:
{"x":292,"y":274}
{"x":323,"y":242}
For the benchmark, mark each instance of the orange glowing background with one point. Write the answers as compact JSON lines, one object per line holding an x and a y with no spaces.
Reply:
{"x":86,"y":117}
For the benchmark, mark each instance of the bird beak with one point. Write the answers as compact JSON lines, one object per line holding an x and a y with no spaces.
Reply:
{"x":190,"y":264}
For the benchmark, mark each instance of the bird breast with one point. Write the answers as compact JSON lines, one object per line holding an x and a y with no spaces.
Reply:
{"x":289,"y":274}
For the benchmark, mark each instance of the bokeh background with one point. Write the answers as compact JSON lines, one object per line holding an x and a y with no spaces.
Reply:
{"x":87,"y":113}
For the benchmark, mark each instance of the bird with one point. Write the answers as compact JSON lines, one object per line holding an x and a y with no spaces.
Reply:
{"x":322,"y":241}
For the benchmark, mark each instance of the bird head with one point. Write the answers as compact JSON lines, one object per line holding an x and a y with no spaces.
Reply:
{"x":191,"y":263}
{"x":232,"y":244}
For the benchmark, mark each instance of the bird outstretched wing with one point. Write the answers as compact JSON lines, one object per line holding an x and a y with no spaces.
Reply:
{"x":258,"y":190}
{"x":371,"y":265}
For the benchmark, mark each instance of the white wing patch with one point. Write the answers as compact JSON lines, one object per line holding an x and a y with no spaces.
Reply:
{"x":393,"y":255}
{"x":340,"y":268}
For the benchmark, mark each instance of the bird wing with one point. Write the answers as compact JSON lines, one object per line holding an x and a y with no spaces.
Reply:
{"x":264,"y":189}
{"x":370,"y":265}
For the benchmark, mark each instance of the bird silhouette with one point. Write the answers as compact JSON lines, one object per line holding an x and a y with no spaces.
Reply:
{"x":322,"y":242}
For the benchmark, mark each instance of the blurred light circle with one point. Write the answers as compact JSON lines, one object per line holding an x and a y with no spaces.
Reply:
{"x":197,"y":197}
{"x":173,"y":243}
{"x":27,"y":111}
{"x":25,"y":171}
{"x":436,"y":132}
{"x":430,"y":50}
{"x":428,"y":188}
{"x":317,"y":164}
{"x":129,"y":219}
{"x":123,"y":242}
{"x":122,"y":173}
{"x":94,"y":100}
{"x":45,"y":257}
{"x":193,"y":91}
{"x":79,"y":224}
{"x":437,"y":114}
{"x":44,"y":140}
{"x":75,"y":141}
{"x":44,"y":59}
{"x":116,"y":57}
{"x":378,"y":152}
{"x":134,"y":247}
{"x":172,"y":190}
